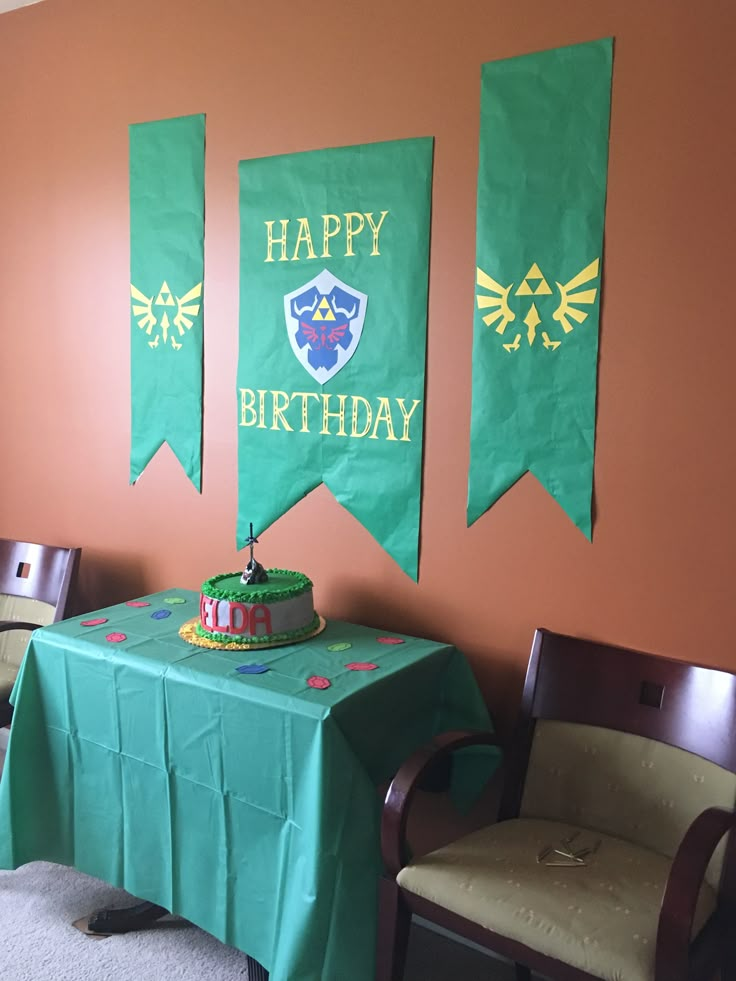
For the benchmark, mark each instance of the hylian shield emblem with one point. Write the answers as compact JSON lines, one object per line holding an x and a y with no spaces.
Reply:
{"x":324,"y":320}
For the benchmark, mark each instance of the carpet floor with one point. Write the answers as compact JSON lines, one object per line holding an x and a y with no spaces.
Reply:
{"x":40,"y":901}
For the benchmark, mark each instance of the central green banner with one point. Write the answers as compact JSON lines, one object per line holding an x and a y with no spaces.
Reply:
{"x":333,"y":315}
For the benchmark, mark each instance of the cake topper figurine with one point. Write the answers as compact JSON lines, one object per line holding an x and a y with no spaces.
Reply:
{"x":254,"y":571}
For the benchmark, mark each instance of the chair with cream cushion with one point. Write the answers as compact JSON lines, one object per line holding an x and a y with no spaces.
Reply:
{"x":613,"y":855}
{"x":36,"y":582}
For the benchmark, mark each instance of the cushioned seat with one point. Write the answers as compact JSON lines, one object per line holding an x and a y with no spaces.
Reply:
{"x":601,"y":917}
{"x":8,"y":674}
{"x":635,"y":755}
{"x":36,"y":582}
{"x":13,"y":643}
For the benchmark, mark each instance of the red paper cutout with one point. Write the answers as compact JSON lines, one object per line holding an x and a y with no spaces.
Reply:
{"x":361,"y":666}
{"x":116,"y":638}
{"x":94,"y":623}
{"x":137,"y":603}
{"x":317,"y":682}
{"x":389,"y":640}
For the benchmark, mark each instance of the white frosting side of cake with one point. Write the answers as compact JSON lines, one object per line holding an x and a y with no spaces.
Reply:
{"x":256,"y":619}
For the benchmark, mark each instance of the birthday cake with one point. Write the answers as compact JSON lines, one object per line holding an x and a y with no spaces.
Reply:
{"x":257,"y":608}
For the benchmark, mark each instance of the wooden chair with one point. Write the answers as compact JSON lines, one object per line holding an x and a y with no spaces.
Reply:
{"x":36,"y":582}
{"x":613,"y":854}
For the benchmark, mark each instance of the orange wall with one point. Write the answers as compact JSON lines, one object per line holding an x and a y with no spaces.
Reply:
{"x":276,"y":78}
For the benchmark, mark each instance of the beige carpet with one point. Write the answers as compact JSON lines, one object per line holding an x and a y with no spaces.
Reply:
{"x":40,"y":901}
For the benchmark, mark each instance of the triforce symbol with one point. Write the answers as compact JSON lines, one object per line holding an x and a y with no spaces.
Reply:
{"x":534,"y":276}
{"x":172,"y":328}
{"x":534,"y":284}
{"x":164,"y":298}
{"x":323,"y":311}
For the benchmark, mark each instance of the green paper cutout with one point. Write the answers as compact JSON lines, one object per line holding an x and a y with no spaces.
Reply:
{"x":335,"y":394}
{"x":166,"y":291}
{"x":541,"y":203}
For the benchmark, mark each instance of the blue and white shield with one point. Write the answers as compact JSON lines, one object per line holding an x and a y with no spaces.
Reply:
{"x":324,"y":321}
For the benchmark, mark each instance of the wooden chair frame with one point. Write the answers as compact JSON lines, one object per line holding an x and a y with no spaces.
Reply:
{"x":595,"y":684}
{"x":51,"y":573}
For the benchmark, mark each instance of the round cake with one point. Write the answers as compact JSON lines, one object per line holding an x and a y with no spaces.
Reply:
{"x":233,"y":614}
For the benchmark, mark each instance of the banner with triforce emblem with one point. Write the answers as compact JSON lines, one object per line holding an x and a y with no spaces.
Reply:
{"x":540,"y":213}
{"x":333,"y":318}
{"x":166,"y":279}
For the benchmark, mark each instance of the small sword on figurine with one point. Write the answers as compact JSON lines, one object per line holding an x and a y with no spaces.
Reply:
{"x":254,"y":573}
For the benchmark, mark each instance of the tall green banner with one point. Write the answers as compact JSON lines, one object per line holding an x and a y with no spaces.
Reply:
{"x":541,"y":203}
{"x":166,"y":280}
{"x":333,"y":315}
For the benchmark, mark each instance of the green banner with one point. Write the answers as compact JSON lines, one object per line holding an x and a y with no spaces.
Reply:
{"x":333,"y":316}
{"x":541,"y":203}
{"x":166,"y":281}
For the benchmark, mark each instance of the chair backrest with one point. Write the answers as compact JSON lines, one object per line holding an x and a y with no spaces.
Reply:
{"x":36,"y":582}
{"x":623,"y":742}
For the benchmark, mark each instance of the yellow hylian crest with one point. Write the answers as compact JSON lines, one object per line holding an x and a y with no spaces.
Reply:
{"x":533,"y":285}
{"x":170,"y":329}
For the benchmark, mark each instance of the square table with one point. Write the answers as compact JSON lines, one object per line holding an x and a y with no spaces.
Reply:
{"x":245,"y":803}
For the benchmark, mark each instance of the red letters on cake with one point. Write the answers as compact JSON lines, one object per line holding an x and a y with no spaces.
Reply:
{"x":207,"y":608}
{"x":241,"y":619}
{"x":237,"y":624}
{"x":260,"y":614}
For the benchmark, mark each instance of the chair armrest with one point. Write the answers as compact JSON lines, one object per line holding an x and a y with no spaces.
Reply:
{"x":404,"y":785}
{"x":683,"y":887}
{"x":17,"y":625}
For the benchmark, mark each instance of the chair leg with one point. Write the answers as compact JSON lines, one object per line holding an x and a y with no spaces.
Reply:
{"x":256,"y":971}
{"x":523,"y":973}
{"x":728,"y":964}
{"x":394,"y":921}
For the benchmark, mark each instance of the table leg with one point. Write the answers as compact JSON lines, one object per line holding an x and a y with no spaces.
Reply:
{"x":140,"y":916}
{"x":256,"y":971}
{"x":125,"y":919}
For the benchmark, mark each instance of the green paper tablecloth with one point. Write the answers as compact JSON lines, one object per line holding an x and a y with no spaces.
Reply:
{"x":245,"y":803}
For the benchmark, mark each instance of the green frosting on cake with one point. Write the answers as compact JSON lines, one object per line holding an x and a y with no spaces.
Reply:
{"x":282,"y":584}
